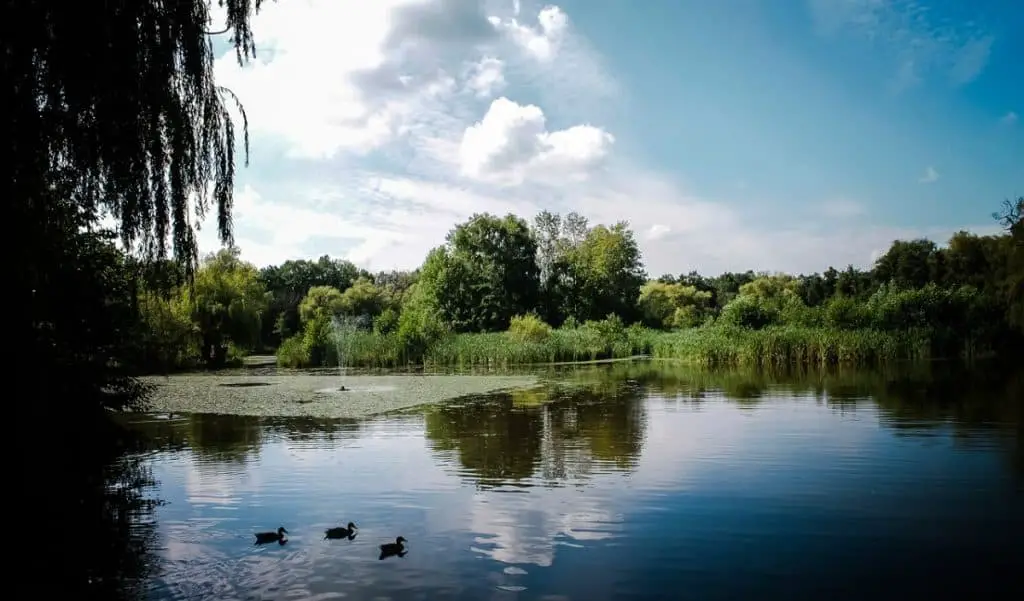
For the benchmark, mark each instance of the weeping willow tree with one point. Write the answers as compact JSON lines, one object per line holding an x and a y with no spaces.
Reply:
{"x":116,"y":101}
{"x":112,"y":110}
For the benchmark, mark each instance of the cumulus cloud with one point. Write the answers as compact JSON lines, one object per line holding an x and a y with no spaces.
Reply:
{"x":486,"y":77}
{"x":511,"y":143}
{"x":542,"y":41}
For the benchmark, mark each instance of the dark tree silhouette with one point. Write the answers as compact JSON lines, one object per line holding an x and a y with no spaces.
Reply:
{"x":117,"y":101}
{"x":112,"y":110}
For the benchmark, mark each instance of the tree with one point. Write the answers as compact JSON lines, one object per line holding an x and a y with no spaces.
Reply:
{"x":321,"y":302}
{"x":586,"y":272}
{"x":130,"y":118}
{"x":486,"y":274}
{"x":226,"y":304}
{"x":556,"y":237}
{"x":907,"y":263}
{"x":727,"y":286}
{"x":363,"y":298}
{"x":673,"y":305}
{"x":289,"y":284}
{"x":1012,"y":218}
{"x":126,"y":121}
{"x":606,"y":273}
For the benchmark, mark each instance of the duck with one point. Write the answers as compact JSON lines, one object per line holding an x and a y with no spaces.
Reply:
{"x":271,"y":537}
{"x":348,"y":532}
{"x":395,"y":548}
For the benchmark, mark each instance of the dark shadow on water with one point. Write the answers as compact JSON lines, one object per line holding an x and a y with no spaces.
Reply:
{"x":92,"y":532}
{"x":245,"y":384}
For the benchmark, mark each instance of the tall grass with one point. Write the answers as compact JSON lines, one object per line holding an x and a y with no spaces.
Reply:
{"x":727,"y":346}
{"x":791,"y":345}
{"x":566,"y":344}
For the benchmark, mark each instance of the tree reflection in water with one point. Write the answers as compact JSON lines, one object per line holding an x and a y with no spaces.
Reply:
{"x":594,"y":417}
{"x":549,"y":432}
{"x":95,"y":533}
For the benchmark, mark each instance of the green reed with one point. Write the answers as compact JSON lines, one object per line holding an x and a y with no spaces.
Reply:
{"x":709,"y":346}
{"x":792,"y":345}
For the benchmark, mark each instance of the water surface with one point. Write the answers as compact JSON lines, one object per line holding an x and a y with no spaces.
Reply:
{"x":636,"y":481}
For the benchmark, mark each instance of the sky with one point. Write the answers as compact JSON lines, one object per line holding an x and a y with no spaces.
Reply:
{"x":739,"y":134}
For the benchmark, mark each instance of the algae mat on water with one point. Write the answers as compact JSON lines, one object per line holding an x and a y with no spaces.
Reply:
{"x":316,"y":396}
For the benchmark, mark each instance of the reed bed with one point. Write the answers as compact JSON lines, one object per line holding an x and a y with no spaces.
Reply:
{"x":782,"y":346}
{"x":792,"y":345}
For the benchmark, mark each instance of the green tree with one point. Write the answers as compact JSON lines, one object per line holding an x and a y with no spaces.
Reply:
{"x":673,"y":305}
{"x":363,"y":298}
{"x":485,"y":274}
{"x":226,"y":304}
{"x":556,"y":237}
{"x":595,"y":272}
{"x":908,"y":263}
{"x":168,"y":338}
{"x":727,"y":286}
{"x":320,"y":302}
{"x":290,"y":282}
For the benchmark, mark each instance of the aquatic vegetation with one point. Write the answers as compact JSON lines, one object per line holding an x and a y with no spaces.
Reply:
{"x":317,"y":395}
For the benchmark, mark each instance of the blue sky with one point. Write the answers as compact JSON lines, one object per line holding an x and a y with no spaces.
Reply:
{"x":734,"y":134}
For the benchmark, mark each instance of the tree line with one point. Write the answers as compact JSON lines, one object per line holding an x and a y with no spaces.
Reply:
{"x":501,"y":274}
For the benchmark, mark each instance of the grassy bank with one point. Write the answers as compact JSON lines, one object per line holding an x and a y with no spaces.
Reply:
{"x":709,"y":346}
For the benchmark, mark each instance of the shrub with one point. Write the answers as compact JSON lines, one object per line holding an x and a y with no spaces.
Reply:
{"x":528,"y":328}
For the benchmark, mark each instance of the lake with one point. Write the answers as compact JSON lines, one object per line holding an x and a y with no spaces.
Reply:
{"x":625,"y":481}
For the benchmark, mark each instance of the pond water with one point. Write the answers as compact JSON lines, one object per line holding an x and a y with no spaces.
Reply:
{"x":629,"y":481}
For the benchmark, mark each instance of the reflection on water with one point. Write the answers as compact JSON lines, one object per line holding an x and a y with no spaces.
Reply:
{"x":625,"y":481}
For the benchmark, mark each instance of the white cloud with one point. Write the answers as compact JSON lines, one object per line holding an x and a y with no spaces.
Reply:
{"x":376,"y":130}
{"x":333,"y":77}
{"x":1009,"y":118}
{"x":512,"y":143}
{"x":930,"y":176}
{"x":542,"y":41}
{"x":486,"y":77}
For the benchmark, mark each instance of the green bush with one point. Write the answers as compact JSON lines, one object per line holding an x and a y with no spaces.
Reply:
{"x":528,"y":328}
{"x":318,"y":340}
{"x":292,"y":352}
{"x":748,"y":312}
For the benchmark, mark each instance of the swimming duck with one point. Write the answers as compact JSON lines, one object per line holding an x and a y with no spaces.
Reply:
{"x":348,"y":532}
{"x":395,"y":548}
{"x":271,"y":537}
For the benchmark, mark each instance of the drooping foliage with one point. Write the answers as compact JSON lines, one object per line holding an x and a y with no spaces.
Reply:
{"x":128,"y":118}
{"x":113,"y":111}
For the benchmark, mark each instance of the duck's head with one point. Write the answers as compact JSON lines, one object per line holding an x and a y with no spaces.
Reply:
{"x":400,"y":540}
{"x":281,"y":531}
{"x":351,"y":526}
